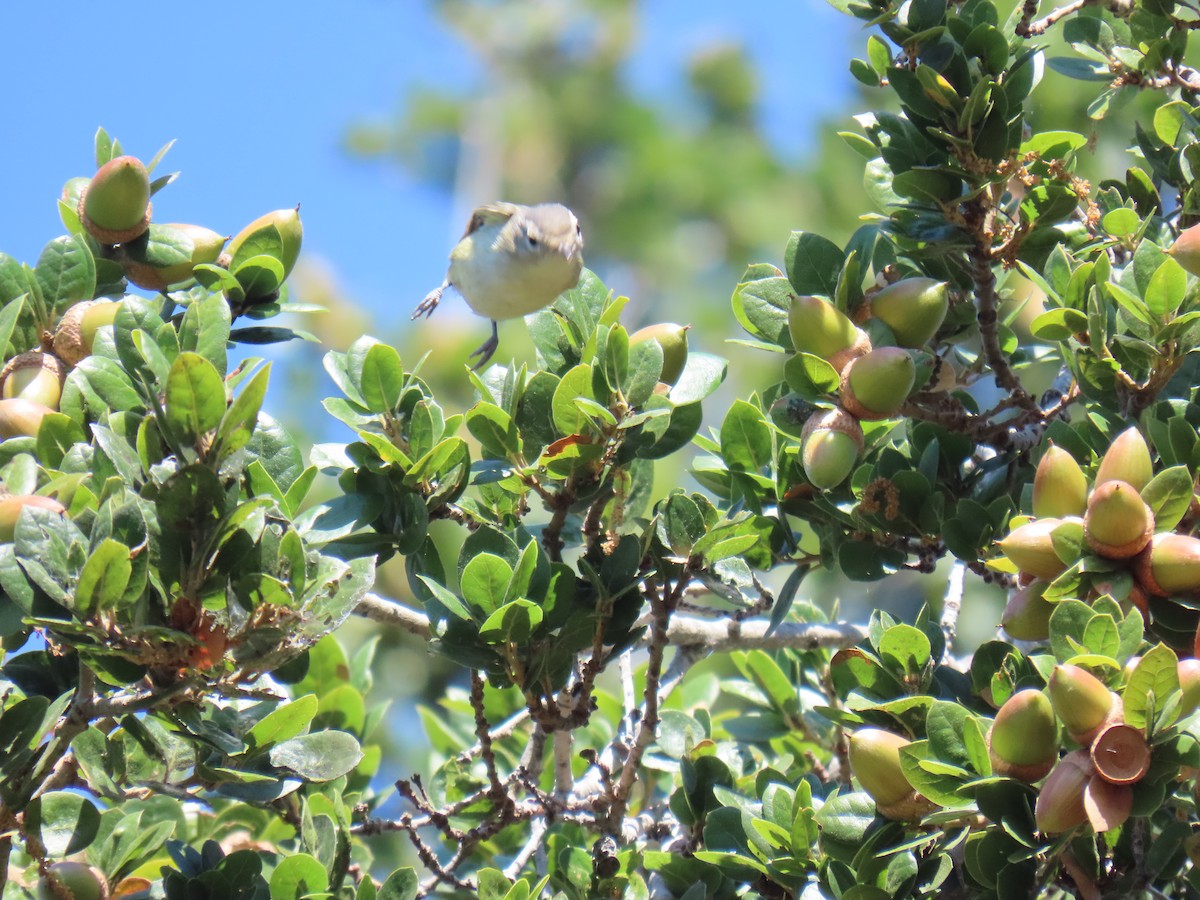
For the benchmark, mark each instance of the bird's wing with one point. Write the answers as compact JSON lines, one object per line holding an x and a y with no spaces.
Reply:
{"x":499,"y":211}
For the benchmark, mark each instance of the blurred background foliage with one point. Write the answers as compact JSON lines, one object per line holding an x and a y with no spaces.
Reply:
{"x":676,"y":196}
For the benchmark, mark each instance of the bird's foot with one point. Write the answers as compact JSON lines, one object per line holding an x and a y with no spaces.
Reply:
{"x":486,"y":350}
{"x":429,"y":304}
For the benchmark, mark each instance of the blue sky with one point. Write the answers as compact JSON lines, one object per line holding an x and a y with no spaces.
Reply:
{"x":259,"y":93}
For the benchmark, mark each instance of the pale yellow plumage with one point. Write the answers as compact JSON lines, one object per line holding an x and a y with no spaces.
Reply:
{"x":513,"y":260}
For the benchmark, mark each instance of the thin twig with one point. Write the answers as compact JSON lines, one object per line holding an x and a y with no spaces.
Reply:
{"x":537,"y":831}
{"x":1033,"y":29}
{"x":390,"y":612}
{"x":952,"y":605}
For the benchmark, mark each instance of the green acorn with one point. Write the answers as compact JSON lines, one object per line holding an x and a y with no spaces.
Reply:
{"x":1059,"y":805}
{"x":875,"y":762}
{"x":830,"y":444}
{"x":35,"y":376}
{"x":1059,"y":485}
{"x":913,"y":308}
{"x":1023,"y":741}
{"x":77,"y":880}
{"x":21,"y":418}
{"x":1026,"y":616}
{"x":1126,"y":459}
{"x":76,"y":331}
{"x":278,"y":234}
{"x":820,"y":328}
{"x":1189,"y":683}
{"x":1169,"y":565}
{"x":673,"y":340}
{"x":142,"y":263}
{"x":1031,"y":549}
{"x":1118,"y":523}
{"x":876,"y":385}
{"x":11,"y":506}
{"x":1186,"y":249}
{"x":115,"y":206}
{"x":1081,"y":701}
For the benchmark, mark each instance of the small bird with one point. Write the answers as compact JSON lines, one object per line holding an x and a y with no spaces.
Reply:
{"x":512,"y":260}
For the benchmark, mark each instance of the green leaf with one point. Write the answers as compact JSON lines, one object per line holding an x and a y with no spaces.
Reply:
{"x":287,"y":721}
{"x":568,"y":418}
{"x":513,"y":622}
{"x":66,"y":272}
{"x":484,"y":582}
{"x":761,"y":307}
{"x":382,"y":378}
{"x":1152,"y":682}
{"x":195,"y":396}
{"x":299,"y":877}
{"x":813,"y":263}
{"x":811,"y":376}
{"x":323,"y":756}
{"x":1167,"y":288}
{"x":905,"y":649}
{"x":745,"y":438}
{"x":259,"y":276}
{"x":237,"y":425}
{"x":1169,"y":495}
{"x":702,"y":374}
{"x":64,"y":822}
{"x":104,"y":578}
{"x":400,"y":885}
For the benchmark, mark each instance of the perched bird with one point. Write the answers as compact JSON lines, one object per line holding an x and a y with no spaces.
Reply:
{"x":512,"y":260}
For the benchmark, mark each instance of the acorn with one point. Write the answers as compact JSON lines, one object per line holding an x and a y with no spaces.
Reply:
{"x":1059,"y":805}
{"x":21,"y":418}
{"x":1189,"y":683}
{"x":1186,"y":249}
{"x":1107,"y":805}
{"x":1118,"y":523}
{"x":77,"y":880}
{"x":256,"y":236}
{"x":77,"y":328}
{"x":11,"y":506}
{"x":1059,"y":486}
{"x":875,"y":386}
{"x":1126,"y":459}
{"x":35,"y":376}
{"x":115,"y":206}
{"x":1081,"y":701}
{"x":1026,"y":616}
{"x":875,"y":762}
{"x":820,"y":328}
{"x":1169,"y":565}
{"x":1120,"y":754}
{"x":830,"y":444}
{"x":138,"y":260}
{"x":673,"y":340}
{"x":1030,"y":548}
{"x":1023,"y":740}
{"x":914,"y":308}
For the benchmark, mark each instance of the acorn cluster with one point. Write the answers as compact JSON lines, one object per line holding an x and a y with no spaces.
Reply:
{"x":1117,"y":525}
{"x":877,"y":370}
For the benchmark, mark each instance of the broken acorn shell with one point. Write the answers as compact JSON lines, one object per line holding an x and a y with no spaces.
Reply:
{"x":33,"y":375}
{"x":830,"y":444}
{"x":1118,"y":523}
{"x":875,"y":385}
{"x":1107,"y":805}
{"x":1120,"y":754}
{"x":115,"y":206}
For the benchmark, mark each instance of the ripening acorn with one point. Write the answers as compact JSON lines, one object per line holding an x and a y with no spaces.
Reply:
{"x":115,"y":207}
{"x":1169,"y":565}
{"x":1026,"y":616}
{"x":875,"y":386}
{"x":1059,"y":486}
{"x":830,"y":444}
{"x":1023,"y":740}
{"x":11,"y":506}
{"x":72,"y":879}
{"x":1059,"y":805}
{"x":875,"y":762}
{"x":673,"y":340}
{"x":1081,"y":701}
{"x":914,"y":308}
{"x":137,"y":258}
{"x":1186,"y":249}
{"x":1118,"y":523}
{"x":250,"y":240}
{"x":21,"y":418}
{"x":1126,"y":459}
{"x":34,"y":376}
{"x":820,"y":328}
{"x":1031,"y":549}
{"x":77,"y":328}
{"x":1189,"y":683}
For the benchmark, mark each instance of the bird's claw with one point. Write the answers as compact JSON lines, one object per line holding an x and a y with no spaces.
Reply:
{"x":430,"y":303}
{"x":486,"y":350}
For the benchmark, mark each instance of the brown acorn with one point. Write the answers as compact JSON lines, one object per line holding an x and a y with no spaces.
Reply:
{"x":830,"y":444}
{"x":1081,"y":701}
{"x":1059,"y":805}
{"x":1031,"y":549}
{"x":1118,"y":523}
{"x":1059,"y":485}
{"x":1107,"y":805}
{"x":1126,"y":459}
{"x":1169,"y":565}
{"x":875,"y":385}
{"x":115,"y":206}
{"x":1026,"y":616}
{"x":34,"y":376}
{"x":21,"y":418}
{"x":78,"y":326}
{"x":1023,"y":740}
{"x":11,"y":506}
{"x":1120,"y":754}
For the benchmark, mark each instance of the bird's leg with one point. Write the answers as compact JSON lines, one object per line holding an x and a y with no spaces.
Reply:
{"x":429,"y":304}
{"x":486,"y":349}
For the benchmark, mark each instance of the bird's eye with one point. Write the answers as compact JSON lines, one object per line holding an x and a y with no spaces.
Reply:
{"x":533,"y":241}
{"x":578,"y":230}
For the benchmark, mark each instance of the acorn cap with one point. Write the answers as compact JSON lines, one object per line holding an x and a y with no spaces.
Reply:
{"x":1031,"y":549}
{"x":1189,"y":683}
{"x":21,"y":418}
{"x":1059,"y":486}
{"x":1118,"y":523}
{"x":820,"y":328}
{"x":1080,"y":699}
{"x":1169,"y":565}
{"x":152,"y":261}
{"x":252,"y":239}
{"x":115,"y":206}
{"x":1186,"y":249}
{"x":76,"y":331}
{"x":673,"y":340}
{"x":11,"y":506}
{"x":1107,"y":805}
{"x":875,"y":386}
{"x":1126,"y":459}
{"x":914,"y":308}
{"x":34,"y":375}
{"x":1059,"y":804}
{"x":1120,"y":754}
{"x":1026,"y":616}
{"x":1023,"y":740}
